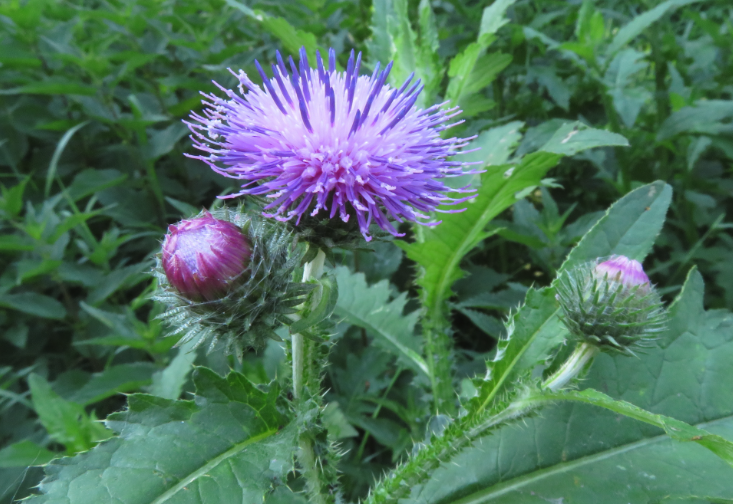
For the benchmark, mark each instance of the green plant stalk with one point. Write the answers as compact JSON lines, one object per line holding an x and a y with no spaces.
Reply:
{"x":576,"y":363}
{"x":305,"y":376}
{"x":463,"y":431}
{"x":312,"y":271}
{"x":439,"y":356}
{"x":457,"y":436}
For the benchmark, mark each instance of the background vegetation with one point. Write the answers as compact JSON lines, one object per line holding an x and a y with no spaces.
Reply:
{"x":92,"y":97}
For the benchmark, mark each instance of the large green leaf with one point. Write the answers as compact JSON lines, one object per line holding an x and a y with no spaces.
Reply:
{"x":65,"y":421}
{"x":636,"y":26}
{"x":230,"y":444}
{"x":369,"y":307}
{"x":577,"y":453}
{"x":442,"y":247}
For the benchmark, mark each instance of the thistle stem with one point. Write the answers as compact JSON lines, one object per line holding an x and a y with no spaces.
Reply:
{"x":312,"y":271}
{"x":572,"y":367}
{"x":306,"y":456}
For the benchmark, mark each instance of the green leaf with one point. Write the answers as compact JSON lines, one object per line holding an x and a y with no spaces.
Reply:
{"x":51,"y":86}
{"x":114,"y":380}
{"x":65,"y":421}
{"x":33,"y":303}
{"x":162,"y":141}
{"x":228,"y":445}
{"x":25,"y":453}
{"x":629,"y":228}
{"x":532,"y":332}
{"x":60,"y":147}
{"x":493,"y":18}
{"x":369,"y":307}
{"x":14,"y":243}
{"x":633,"y":28}
{"x":443,"y":247}
{"x":709,"y":117}
{"x":584,"y":454}
{"x":90,"y":181}
{"x":168,"y":383}
{"x":320,"y":304}
{"x":393,"y":39}
{"x":575,"y":137}
{"x":464,"y":64}
{"x":12,"y":198}
{"x":292,"y":39}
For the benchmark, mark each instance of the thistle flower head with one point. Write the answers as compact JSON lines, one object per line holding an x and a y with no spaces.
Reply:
{"x":227,"y":275}
{"x":611,"y":304}
{"x":319,"y":141}
{"x":204,"y":257}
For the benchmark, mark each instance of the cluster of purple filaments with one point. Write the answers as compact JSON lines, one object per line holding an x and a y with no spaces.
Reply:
{"x":318,"y":140}
{"x":628,"y":272}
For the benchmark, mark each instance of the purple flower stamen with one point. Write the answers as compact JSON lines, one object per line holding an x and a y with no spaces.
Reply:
{"x":353,"y":147}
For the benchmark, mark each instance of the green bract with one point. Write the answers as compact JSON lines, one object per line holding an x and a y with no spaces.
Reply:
{"x":607,"y":312}
{"x":248,"y":314}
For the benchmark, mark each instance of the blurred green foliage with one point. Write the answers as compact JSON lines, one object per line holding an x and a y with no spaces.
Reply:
{"x":92,"y":98}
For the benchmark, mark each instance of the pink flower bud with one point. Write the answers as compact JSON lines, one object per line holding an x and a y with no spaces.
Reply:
{"x":628,"y":272}
{"x":204,"y":257}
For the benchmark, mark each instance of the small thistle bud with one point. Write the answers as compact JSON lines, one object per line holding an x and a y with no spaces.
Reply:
{"x":611,"y":304}
{"x":227,"y":275}
{"x":204,"y":257}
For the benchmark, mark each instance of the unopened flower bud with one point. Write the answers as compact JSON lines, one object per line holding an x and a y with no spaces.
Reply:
{"x":611,"y":304}
{"x":227,"y":276}
{"x":204,"y":257}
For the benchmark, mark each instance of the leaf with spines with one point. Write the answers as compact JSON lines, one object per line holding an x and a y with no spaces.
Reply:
{"x":440,"y":249}
{"x":629,"y":226}
{"x":369,"y":307}
{"x":603,"y":457}
{"x":230,"y":444}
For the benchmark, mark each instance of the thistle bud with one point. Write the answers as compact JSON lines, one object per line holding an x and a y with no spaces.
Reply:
{"x":611,"y":304}
{"x":227,"y":275}
{"x":203,"y":258}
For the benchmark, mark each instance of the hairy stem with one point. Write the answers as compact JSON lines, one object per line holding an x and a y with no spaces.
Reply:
{"x":572,"y":367}
{"x":417,"y":469}
{"x":304,"y":376}
{"x":312,"y":271}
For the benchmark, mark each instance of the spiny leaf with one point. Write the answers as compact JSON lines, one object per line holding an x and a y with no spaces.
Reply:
{"x":227,"y":445}
{"x":369,"y":307}
{"x":601,"y":456}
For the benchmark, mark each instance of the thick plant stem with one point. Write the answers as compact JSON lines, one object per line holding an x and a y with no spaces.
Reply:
{"x":572,"y":367}
{"x":312,"y":271}
{"x":304,"y":376}
{"x":439,"y":354}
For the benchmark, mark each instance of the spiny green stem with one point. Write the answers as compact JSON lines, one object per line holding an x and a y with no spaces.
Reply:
{"x":463,"y":431}
{"x":457,"y":436}
{"x":312,"y":271}
{"x":305,"y":376}
{"x":572,"y":367}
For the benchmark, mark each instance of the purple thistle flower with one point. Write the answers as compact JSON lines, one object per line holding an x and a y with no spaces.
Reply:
{"x":204,"y":257}
{"x":318,"y":140}
{"x":628,"y":272}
